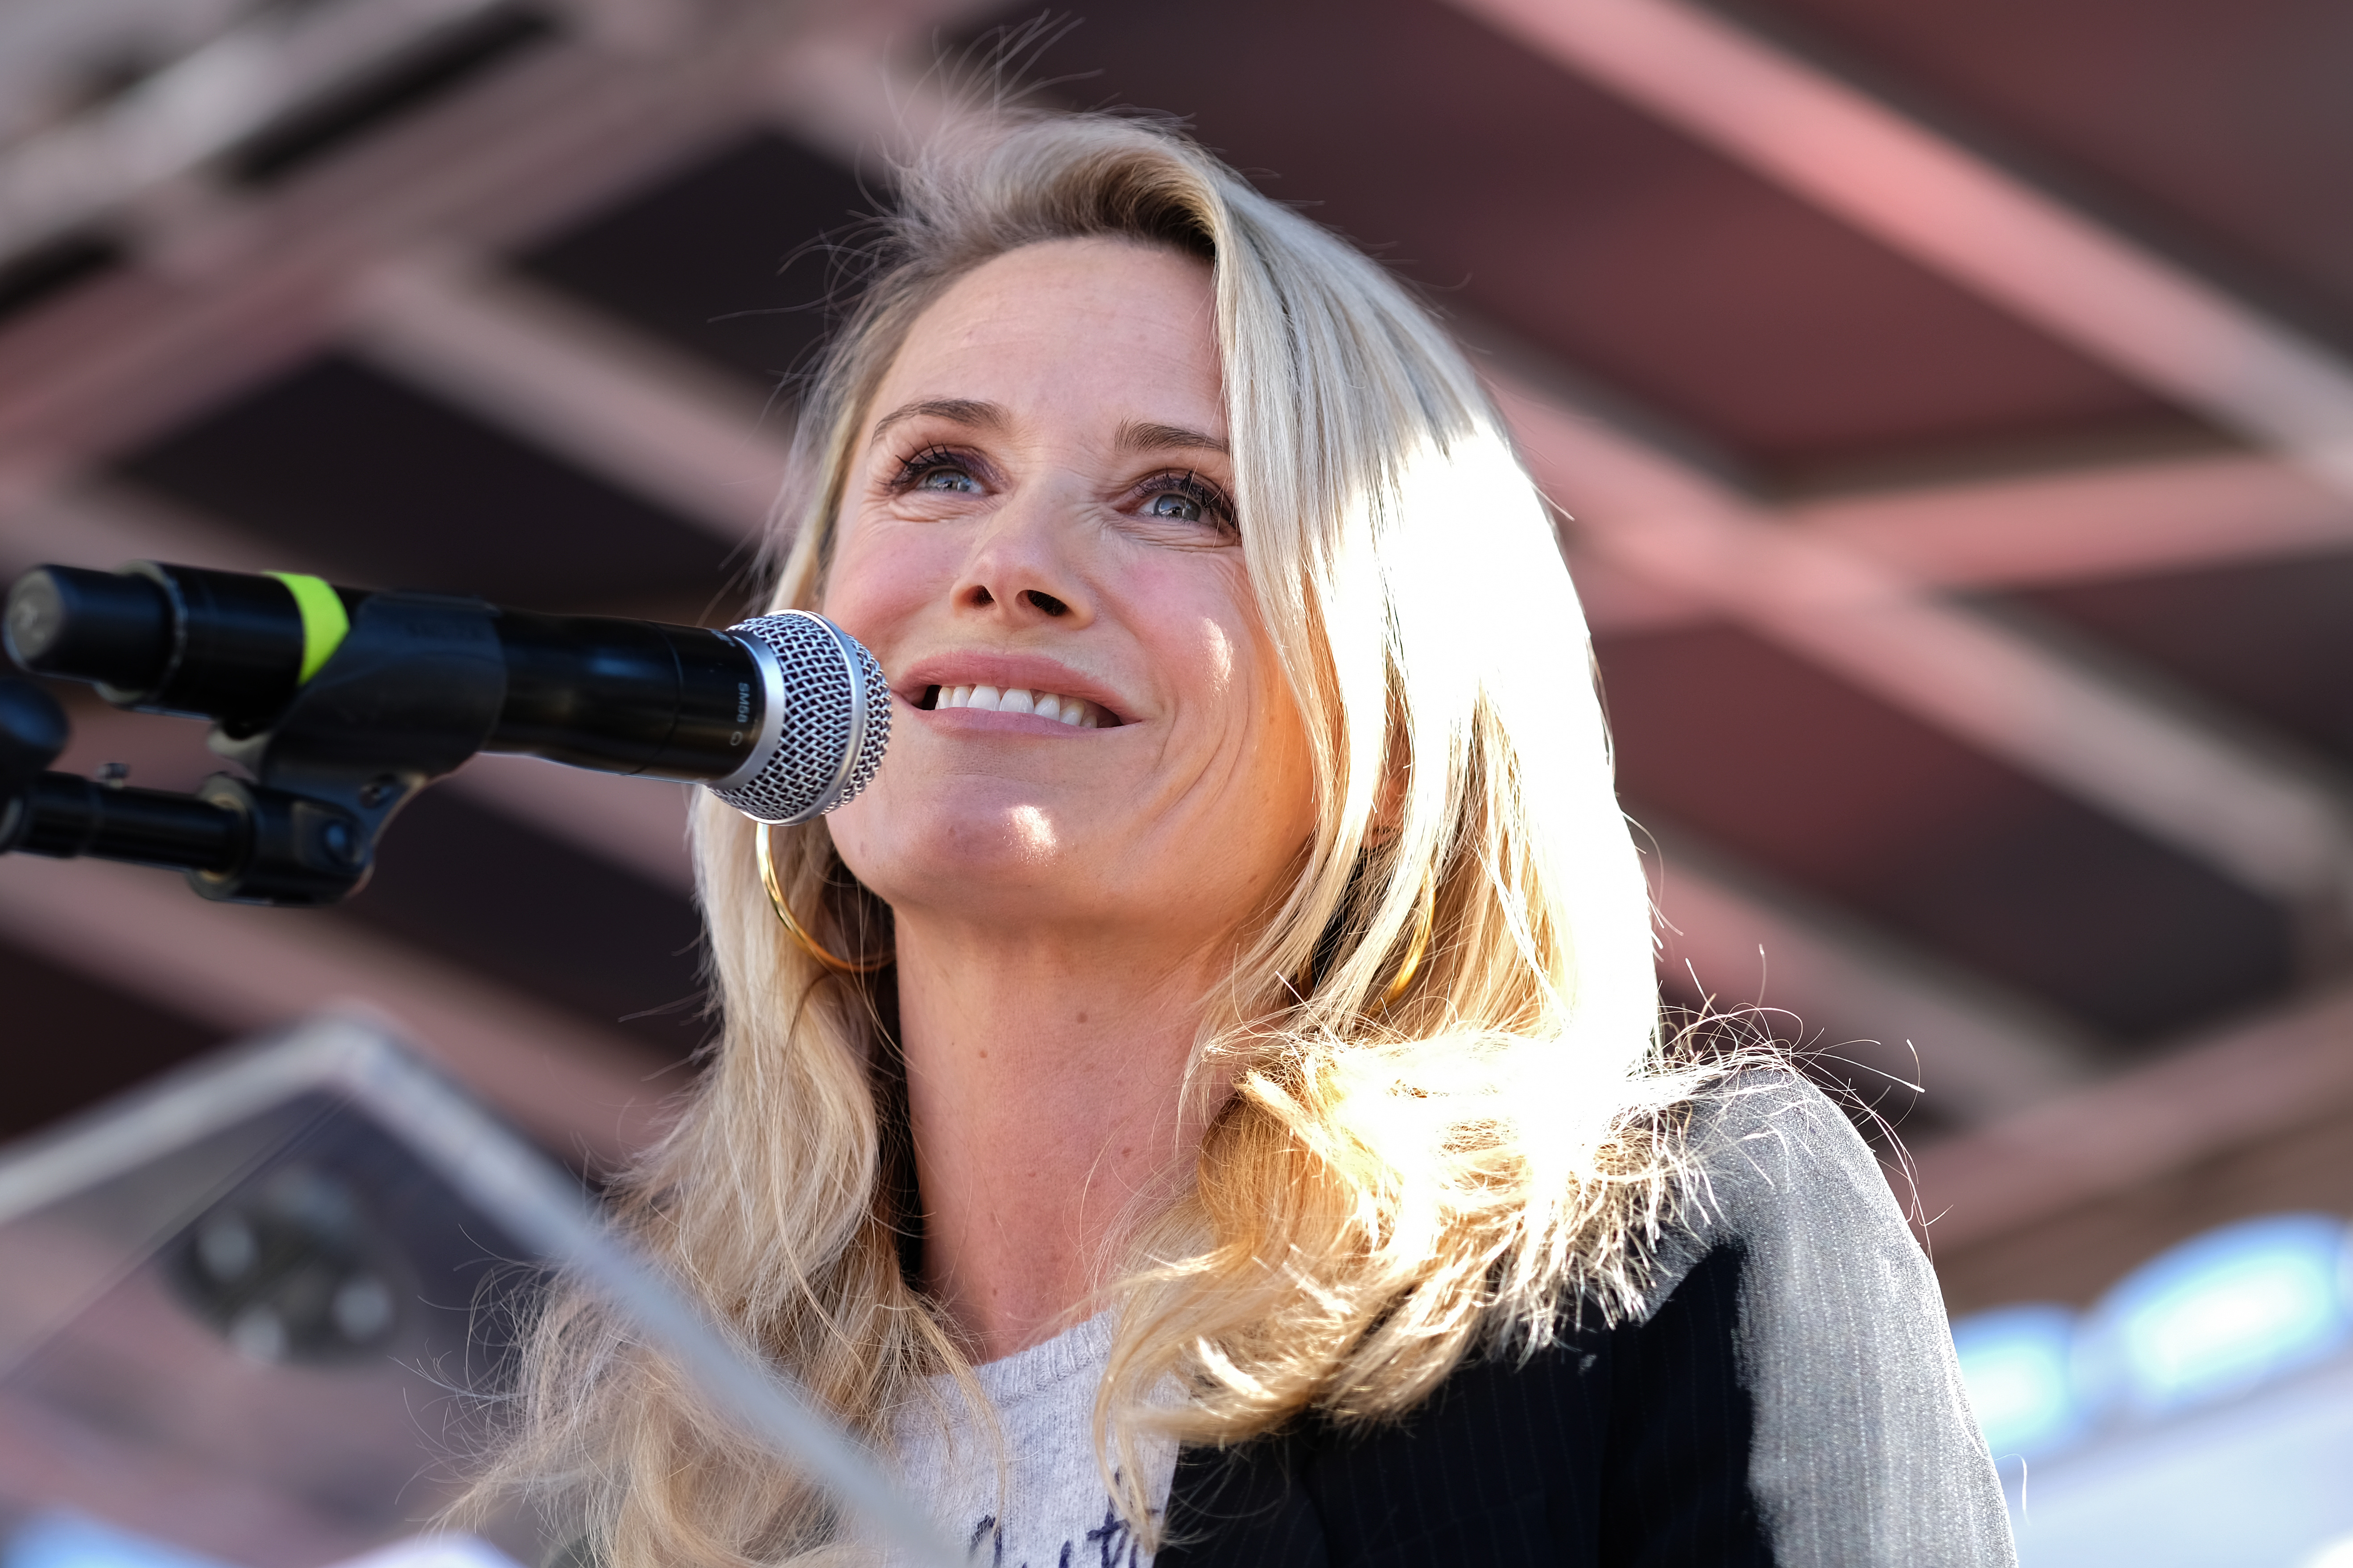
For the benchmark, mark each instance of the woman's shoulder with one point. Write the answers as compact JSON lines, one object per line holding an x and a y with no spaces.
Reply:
{"x":1771,"y":1179}
{"x":1861,"y":1447}
{"x":1770,"y":1196}
{"x":1786,"y":1395}
{"x":1766,"y":1153}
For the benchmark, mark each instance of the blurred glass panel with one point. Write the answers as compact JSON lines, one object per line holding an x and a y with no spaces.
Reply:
{"x":252,"y":1347}
{"x":2017,"y":1363}
{"x":2200,"y":1414}
{"x":249,"y":1318}
{"x":2257,"y":1481}
{"x":2221,"y":1314}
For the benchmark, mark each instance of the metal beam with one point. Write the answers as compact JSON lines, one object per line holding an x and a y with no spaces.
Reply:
{"x":576,"y":1088}
{"x":1976,"y":1054}
{"x":244,"y":289}
{"x":637,"y":823}
{"x":2116,"y":520}
{"x":2232,"y":1090}
{"x":604,"y":396}
{"x":850,"y":92}
{"x":88,"y":168}
{"x":2135,"y":753}
{"x":1952,"y":212}
{"x":102,"y":525}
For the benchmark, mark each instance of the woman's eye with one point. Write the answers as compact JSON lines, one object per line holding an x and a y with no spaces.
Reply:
{"x":1185,"y":498}
{"x":938,"y":469}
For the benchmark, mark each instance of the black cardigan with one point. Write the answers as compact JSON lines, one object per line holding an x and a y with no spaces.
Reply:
{"x":1788,"y":1396}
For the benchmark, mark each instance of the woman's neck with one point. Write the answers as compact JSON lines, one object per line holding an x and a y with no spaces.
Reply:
{"x":1043,"y":1079}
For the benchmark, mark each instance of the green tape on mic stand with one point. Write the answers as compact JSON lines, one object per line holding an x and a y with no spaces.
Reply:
{"x":324,"y":623}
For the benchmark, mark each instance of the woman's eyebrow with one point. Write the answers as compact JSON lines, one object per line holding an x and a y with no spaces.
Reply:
{"x":1141,"y":436}
{"x":955,"y":410}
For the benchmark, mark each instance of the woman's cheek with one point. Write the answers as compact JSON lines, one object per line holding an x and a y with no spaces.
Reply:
{"x":874,"y":587}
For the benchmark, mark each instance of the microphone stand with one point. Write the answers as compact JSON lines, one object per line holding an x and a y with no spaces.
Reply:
{"x":412,"y":691}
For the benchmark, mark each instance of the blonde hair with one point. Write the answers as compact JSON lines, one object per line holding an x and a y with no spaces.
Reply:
{"x":1393,"y":1181}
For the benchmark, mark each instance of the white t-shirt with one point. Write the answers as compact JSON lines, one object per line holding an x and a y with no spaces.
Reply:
{"x":1051,"y":1510}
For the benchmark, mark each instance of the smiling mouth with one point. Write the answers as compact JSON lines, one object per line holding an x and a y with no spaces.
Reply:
{"x":1076,"y":711}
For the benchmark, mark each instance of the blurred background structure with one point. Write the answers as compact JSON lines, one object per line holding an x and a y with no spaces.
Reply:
{"x":1952,"y":408}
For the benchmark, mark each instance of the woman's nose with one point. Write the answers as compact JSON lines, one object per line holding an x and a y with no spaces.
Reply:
{"x":1019,"y":570}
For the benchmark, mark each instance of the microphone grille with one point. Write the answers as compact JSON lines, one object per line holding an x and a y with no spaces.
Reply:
{"x":833,"y":718}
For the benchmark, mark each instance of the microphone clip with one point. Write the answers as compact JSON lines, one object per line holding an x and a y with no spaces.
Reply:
{"x":412,"y":691}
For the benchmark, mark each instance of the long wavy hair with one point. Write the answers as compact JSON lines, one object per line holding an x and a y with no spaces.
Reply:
{"x":1395,"y":1175}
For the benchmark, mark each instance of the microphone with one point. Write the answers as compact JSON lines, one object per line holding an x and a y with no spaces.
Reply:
{"x":783,"y":717}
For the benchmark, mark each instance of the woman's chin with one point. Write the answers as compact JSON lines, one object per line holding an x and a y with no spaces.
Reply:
{"x":961,"y":851}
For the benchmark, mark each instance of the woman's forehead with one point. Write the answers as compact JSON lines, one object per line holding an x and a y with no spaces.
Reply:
{"x":1068,"y":323}
{"x":1085,"y":272}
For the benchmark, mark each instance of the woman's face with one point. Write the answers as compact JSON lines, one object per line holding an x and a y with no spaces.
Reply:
{"x":1038,"y":541}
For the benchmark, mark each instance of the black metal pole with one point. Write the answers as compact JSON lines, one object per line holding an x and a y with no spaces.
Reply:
{"x":66,"y":816}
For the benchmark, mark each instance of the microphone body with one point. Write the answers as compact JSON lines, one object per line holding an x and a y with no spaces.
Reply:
{"x":786,"y":717}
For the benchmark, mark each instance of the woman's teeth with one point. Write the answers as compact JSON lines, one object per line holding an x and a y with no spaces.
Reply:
{"x":1075,"y":711}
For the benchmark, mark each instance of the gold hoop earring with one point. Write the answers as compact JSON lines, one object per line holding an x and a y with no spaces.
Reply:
{"x":1420,"y":947}
{"x":1416,"y":950}
{"x":794,"y":928}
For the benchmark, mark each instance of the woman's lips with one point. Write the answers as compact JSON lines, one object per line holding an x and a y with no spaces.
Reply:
{"x":1008,"y":686}
{"x":982,"y":722}
{"x":1074,"y":712}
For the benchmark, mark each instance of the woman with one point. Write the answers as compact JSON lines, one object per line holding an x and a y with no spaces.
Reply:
{"x":1228,"y":1022}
